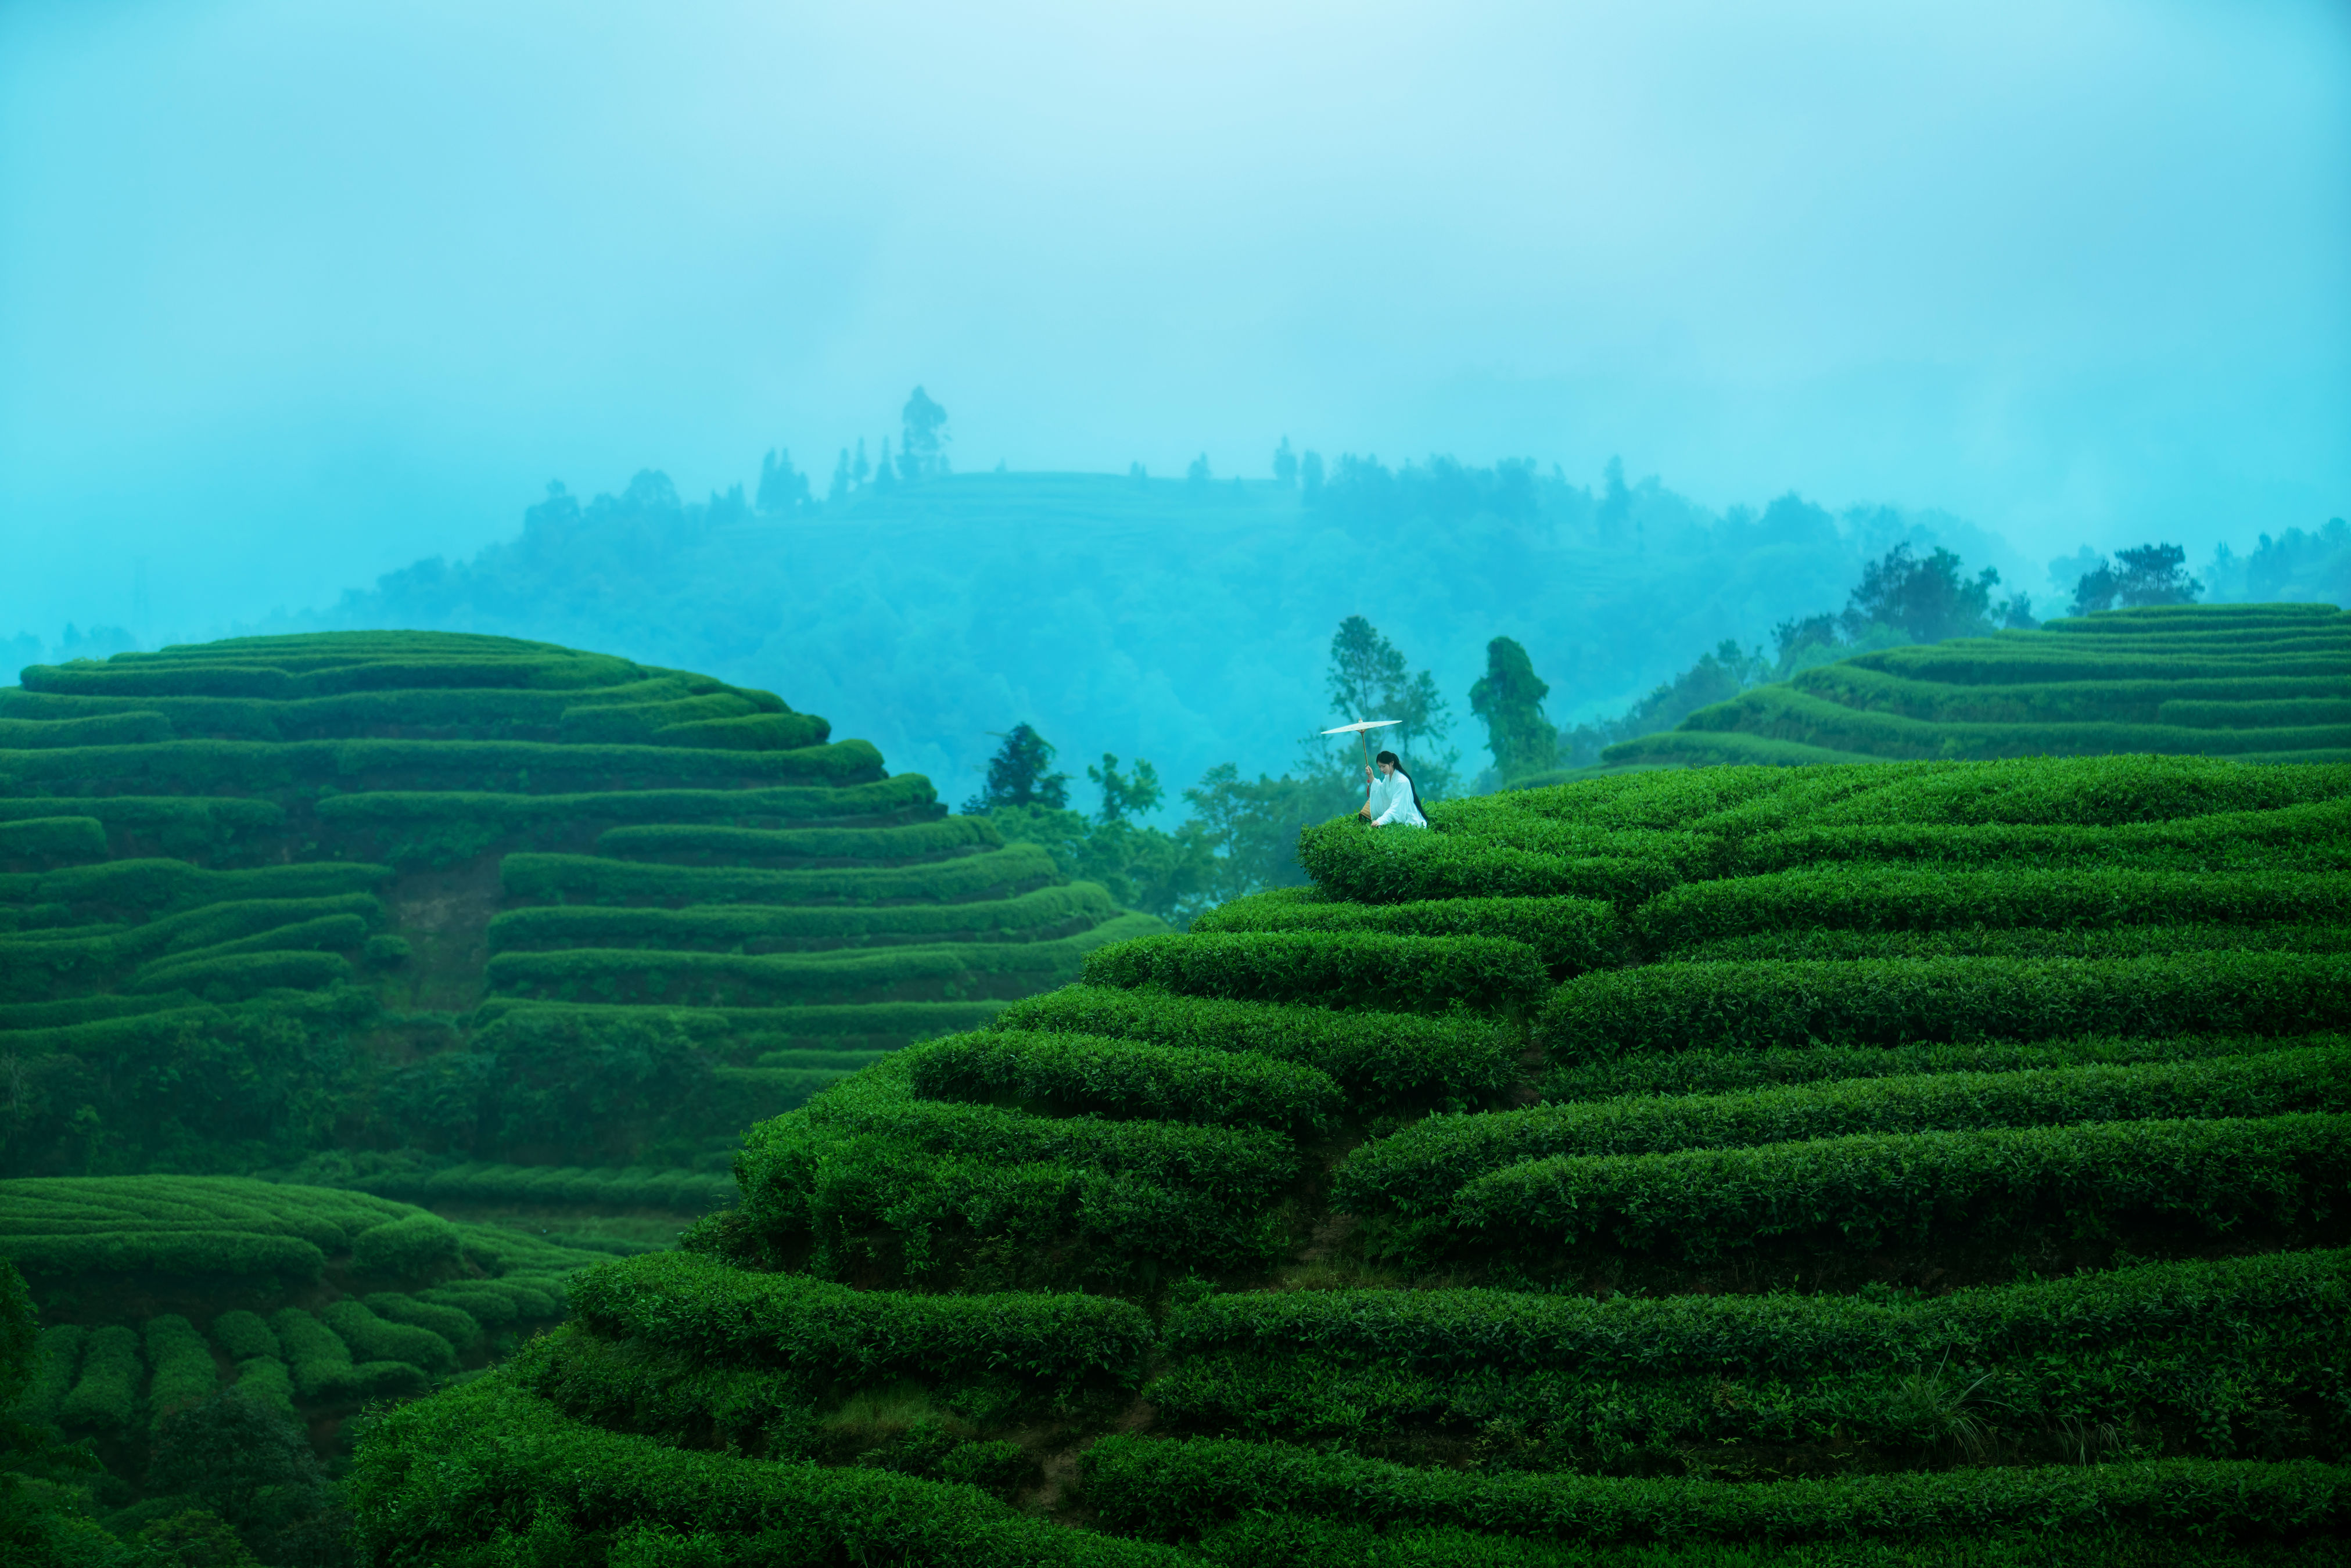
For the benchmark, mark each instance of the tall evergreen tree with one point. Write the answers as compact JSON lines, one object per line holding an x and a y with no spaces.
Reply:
{"x":1509,"y":697}
{"x":1285,"y":464}
{"x":1131,"y":796}
{"x":922,"y":438}
{"x":1017,"y":775}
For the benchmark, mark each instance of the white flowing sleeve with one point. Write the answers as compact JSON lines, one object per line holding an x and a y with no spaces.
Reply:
{"x":1398,"y":804}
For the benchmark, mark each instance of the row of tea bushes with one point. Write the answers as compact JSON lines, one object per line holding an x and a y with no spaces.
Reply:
{"x":2245,"y":680}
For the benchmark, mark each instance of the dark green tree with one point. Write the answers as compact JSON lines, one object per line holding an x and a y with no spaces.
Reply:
{"x":1927,"y":601}
{"x":923,"y":438}
{"x":1017,"y":775}
{"x":1509,"y":697}
{"x":1131,"y":796}
{"x":2154,"y":574}
{"x":1369,"y":679}
{"x":782,"y":487}
{"x":249,"y":1463}
{"x":1285,"y":464}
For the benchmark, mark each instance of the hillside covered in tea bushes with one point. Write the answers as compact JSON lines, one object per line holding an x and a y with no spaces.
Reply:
{"x":1892,"y":1164}
{"x":523,"y":935}
{"x":2265,"y":682}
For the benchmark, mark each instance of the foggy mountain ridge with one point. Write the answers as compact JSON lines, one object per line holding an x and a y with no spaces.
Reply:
{"x":1183,"y":620}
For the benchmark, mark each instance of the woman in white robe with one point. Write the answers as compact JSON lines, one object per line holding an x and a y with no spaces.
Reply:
{"x":1393,"y":800}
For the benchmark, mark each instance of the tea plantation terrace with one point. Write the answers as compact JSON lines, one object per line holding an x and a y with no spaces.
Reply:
{"x":1901,"y":1163}
{"x":2260,"y":682}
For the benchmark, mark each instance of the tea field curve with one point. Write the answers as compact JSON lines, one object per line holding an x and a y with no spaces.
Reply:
{"x":1894,"y":1164}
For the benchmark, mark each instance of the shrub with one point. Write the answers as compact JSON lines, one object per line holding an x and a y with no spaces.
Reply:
{"x":1572,"y":934}
{"x":118,"y":729}
{"x":1051,"y":1345}
{"x":756,"y":929}
{"x":57,"y":1361}
{"x":901,"y":795}
{"x":1176,"y":1489}
{"x":458,"y":1472}
{"x":378,"y":1339}
{"x":1387,"y":1061}
{"x":244,"y":1335}
{"x":54,"y":838}
{"x":1336,"y":969}
{"x":318,"y":1359}
{"x":1420,"y":1168}
{"x":106,"y":1392}
{"x":247,"y":974}
{"x":708,"y":844}
{"x":1626,"y":1378}
{"x":1376,"y":865}
{"x":2026,"y":943}
{"x":1080,"y":1074}
{"x":591,"y":880}
{"x":1868,"y":1001}
{"x":414,"y":1244}
{"x":182,"y":1363}
{"x":172,"y":1251}
{"x":1872,"y":897}
{"x":455,"y":1328}
{"x":1729,"y":1072}
{"x":1874,"y":1189}
{"x":2296,"y":837}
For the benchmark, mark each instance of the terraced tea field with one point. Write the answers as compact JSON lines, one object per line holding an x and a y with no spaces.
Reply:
{"x":1892,"y":1164}
{"x":2260,"y":682}
{"x":524,"y":934}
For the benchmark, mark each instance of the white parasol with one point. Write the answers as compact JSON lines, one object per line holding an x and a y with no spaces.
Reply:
{"x":1357,"y":729}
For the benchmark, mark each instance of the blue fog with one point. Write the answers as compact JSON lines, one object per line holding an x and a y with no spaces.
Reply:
{"x":296,"y":296}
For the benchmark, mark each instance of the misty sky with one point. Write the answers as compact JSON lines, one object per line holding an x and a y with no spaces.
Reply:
{"x":293,"y":294}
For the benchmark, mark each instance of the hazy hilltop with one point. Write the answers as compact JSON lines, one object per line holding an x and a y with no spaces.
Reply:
{"x":1186,"y":620}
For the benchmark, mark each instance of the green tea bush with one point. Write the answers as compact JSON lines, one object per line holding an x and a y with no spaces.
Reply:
{"x":106,"y":1394}
{"x":137,"y":884}
{"x":1732,"y":1072}
{"x":378,"y":1339}
{"x":2288,"y":838}
{"x":2131,"y":701}
{"x":902,"y":796}
{"x":183,"y":1365}
{"x":2286,"y":712}
{"x":206,"y":929}
{"x":588,"y":879}
{"x":54,"y":838}
{"x":1978,"y":1185}
{"x":1336,"y":969}
{"x":462,"y":1472}
{"x":247,"y":974}
{"x":1387,"y":1062}
{"x":54,"y":1365}
{"x":636,"y":723}
{"x":490,"y":1309}
{"x":1420,"y":1168}
{"x":707,"y":844}
{"x":816,"y":1061}
{"x":126,"y":728}
{"x":752,"y":732}
{"x":1171,"y":1490}
{"x":874,"y":1025}
{"x":2100,"y":790}
{"x":692,"y":1191}
{"x":1381,"y":865}
{"x":244,"y":1335}
{"x":2142,"y":1345}
{"x":1875,"y":897}
{"x":1675,"y":1007}
{"x":457,"y":1329}
{"x":1572,"y":934}
{"x":414,"y":1244}
{"x":318,"y":1359}
{"x":1089,"y":1074}
{"x":1053,"y":1345}
{"x":172,"y":1251}
{"x":267,"y":1379}
{"x":756,"y":929}
{"x":2017,"y":942}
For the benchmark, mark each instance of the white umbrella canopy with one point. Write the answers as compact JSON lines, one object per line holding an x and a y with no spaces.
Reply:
{"x":1358,"y":730}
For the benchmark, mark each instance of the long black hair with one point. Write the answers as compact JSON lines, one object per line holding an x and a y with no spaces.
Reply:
{"x":1397,"y":763}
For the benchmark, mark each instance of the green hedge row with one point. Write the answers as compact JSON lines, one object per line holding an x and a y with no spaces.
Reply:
{"x":204,"y":931}
{"x":245,"y":1334}
{"x":2289,"y":837}
{"x":39,"y":963}
{"x":269,"y":1380}
{"x":1571,"y":934}
{"x":126,"y":728}
{"x":1886,"y":897}
{"x":479,"y":713}
{"x":1893,"y":1001}
{"x":2134,"y":701}
{"x":247,"y":974}
{"x":323,"y":1367}
{"x":706,"y":979}
{"x":45,"y":1015}
{"x":1380,"y":865}
{"x":1330,"y":969}
{"x":1952,"y":665}
{"x":1093,"y":1075}
{"x":412,"y":1244}
{"x":1419,"y":1168}
{"x":2019,"y":942}
{"x":901,"y":795}
{"x":2195,"y":1351}
{"x":106,"y":1392}
{"x":219,"y":673}
{"x":166,"y":1253}
{"x":755,"y":929}
{"x":55,"y":1362}
{"x":197,"y":767}
{"x":585,"y":878}
{"x":2277,"y":713}
{"x":376,"y":1338}
{"x":840,"y":1338}
{"x":1387,"y":1062}
{"x":831,"y":1061}
{"x":323,"y":933}
{"x":876,"y":1024}
{"x":708,"y":844}
{"x":491,"y":1469}
{"x":1178,"y":1489}
{"x":182,"y":1363}
{"x":868,"y":1183}
{"x":637,"y":723}
{"x":2090,"y":792}
{"x":1733,"y":1072}
{"x":81,"y":838}
{"x":458,"y":1329}
{"x":692,"y":1191}
{"x":1876,"y":1189}
{"x":81,"y":1206}
{"x":133,"y":884}
{"x":1713,"y":749}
